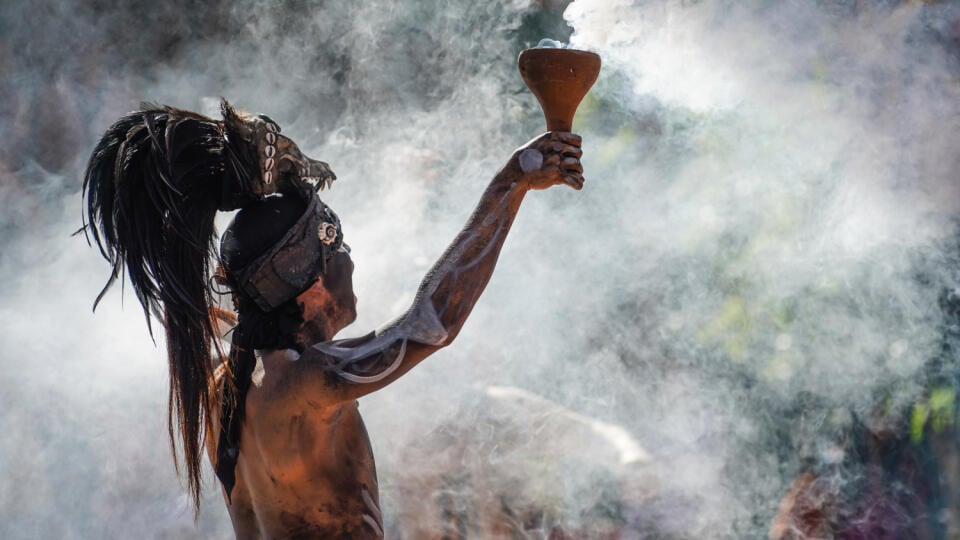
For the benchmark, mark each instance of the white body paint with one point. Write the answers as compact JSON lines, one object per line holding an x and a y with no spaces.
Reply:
{"x":531,"y":160}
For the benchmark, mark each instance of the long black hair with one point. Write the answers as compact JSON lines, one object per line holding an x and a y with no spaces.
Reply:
{"x":152,"y":188}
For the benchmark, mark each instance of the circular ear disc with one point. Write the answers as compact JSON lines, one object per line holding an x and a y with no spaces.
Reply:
{"x":327,"y":233}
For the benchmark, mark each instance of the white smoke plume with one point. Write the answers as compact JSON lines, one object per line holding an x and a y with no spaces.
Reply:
{"x":758,"y":259}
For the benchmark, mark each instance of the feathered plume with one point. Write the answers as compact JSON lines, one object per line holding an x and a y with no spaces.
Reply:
{"x":152,"y":189}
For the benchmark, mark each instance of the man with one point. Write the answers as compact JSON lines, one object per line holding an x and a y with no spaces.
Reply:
{"x":279,"y":417}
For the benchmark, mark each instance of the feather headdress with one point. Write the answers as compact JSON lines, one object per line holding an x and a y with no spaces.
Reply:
{"x":152,"y":188}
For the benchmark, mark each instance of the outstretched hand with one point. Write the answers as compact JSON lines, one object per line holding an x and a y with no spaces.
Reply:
{"x":548,"y":160}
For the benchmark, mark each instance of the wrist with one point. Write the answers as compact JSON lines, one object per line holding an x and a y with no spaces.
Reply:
{"x":508,"y":185}
{"x":510,"y":177}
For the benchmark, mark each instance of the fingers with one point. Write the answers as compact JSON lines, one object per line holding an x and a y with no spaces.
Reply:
{"x":543,"y":141}
{"x":567,"y":137}
{"x":569,"y":170}
{"x":573,"y":180}
{"x":565,"y":164}
{"x":572,"y":151}
{"x":565,"y":149}
{"x":561,"y":153}
{"x":571,"y":165}
{"x":565,"y":157}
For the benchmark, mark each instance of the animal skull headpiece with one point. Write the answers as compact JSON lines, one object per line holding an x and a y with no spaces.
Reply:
{"x":295,"y":261}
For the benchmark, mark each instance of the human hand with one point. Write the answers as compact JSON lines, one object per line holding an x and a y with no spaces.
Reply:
{"x":550,"y":159}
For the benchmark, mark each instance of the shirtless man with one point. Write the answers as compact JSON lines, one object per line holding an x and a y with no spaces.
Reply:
{"x":280,"y":419}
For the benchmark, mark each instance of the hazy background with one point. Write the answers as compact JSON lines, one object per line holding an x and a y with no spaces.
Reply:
{"x":764,"y":258}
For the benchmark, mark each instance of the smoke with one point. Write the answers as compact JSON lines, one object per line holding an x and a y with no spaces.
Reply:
{"x":786,"y":200}
{"x":757,"y":262}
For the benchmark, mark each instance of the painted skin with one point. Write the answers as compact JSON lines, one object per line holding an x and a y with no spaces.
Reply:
{"x":306,"y":468}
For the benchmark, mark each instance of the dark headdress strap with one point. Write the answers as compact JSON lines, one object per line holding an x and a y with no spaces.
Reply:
{"x":295,"y":261}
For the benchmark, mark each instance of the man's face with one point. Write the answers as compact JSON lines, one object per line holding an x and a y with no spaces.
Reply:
{"x":329,"y":305}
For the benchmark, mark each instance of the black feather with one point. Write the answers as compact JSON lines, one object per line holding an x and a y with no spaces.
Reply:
{"x":152,"y":188}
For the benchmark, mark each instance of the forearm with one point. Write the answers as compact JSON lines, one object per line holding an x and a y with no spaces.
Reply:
{"x":452,"y":287}
{"x":444,"y":300}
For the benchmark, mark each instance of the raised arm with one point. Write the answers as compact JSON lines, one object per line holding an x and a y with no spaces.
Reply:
{"x":448,"y":293}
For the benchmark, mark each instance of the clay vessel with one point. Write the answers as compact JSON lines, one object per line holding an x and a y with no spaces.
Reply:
{"x":559,"y":78}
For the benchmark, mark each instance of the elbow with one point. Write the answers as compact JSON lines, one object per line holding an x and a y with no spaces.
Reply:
{"x":439,"y":338}
{"x":449,"y":336}
{"x":437,"y":341}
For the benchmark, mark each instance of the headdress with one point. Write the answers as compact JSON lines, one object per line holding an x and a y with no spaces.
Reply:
{"x":152,"y":188}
